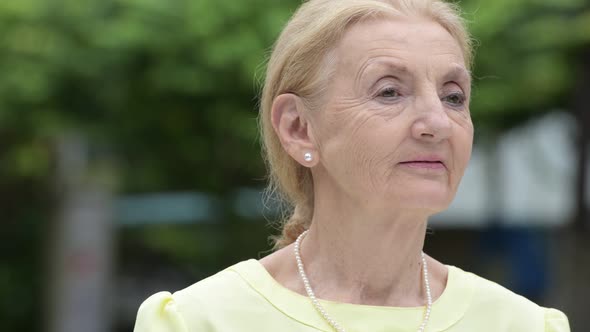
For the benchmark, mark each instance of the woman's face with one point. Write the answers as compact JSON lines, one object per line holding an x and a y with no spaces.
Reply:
{"x":395,"y":130}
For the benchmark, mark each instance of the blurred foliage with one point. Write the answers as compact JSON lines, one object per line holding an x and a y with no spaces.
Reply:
{"x":527,"y":57}
{"x":167,"y":85}
{"x":169,"y":88}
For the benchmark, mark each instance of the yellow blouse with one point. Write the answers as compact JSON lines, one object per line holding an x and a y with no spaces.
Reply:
{"x":245,"y":297}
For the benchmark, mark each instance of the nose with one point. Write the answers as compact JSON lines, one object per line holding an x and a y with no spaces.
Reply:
{"x":432,"y":123}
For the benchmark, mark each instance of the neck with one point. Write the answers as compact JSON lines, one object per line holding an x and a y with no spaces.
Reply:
{"x":365,"y":258}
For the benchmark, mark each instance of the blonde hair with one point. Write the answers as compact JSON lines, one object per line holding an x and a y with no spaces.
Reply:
{"x":298,"y":65}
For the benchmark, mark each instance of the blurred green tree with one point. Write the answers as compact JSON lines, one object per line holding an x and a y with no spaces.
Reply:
{"x":528,"y":57}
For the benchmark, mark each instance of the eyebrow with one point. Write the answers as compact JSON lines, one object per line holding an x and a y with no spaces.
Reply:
{"x":458,"y":73}
{"x":395,"y":66}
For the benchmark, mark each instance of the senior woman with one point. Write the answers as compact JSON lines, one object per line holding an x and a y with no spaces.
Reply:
{"x":367,"y":133}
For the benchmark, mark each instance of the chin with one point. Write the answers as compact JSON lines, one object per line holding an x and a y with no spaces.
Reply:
{"x":430,"y":206}
{"x":433,"y":201}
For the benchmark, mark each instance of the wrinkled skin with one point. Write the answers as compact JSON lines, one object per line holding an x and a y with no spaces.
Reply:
{"x":399,"y":93}
{"x":400,"y":90}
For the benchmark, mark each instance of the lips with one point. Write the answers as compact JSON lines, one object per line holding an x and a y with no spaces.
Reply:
{"x":424,"y":164}
{"x":429,"y":162}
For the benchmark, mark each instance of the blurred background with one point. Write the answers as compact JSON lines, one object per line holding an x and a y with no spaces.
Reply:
{"x":130,"y":164}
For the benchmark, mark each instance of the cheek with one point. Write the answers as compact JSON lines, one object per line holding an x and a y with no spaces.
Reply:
{"x":463,"y":147}
{"x":355,"y":148}
{"x":358,"y":138}
{"x":372,"y":146}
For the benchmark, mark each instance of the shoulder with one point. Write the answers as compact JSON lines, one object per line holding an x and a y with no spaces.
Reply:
{"x":197,"y":307}
{"x":556,"y":321}
{"x":159,"y":313}
{"x":225,"y":283}
{"x":490,"y":294}
{"x":509,"y":311}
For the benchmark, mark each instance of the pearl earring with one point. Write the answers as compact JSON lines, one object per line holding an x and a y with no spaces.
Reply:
{"x":307,"y":156}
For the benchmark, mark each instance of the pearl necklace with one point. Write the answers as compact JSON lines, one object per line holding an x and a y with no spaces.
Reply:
{"x":320,"y":309}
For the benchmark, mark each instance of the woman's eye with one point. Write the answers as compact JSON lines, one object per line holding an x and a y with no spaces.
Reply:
{"x":455,"y":99}
{"x":389,"y":93}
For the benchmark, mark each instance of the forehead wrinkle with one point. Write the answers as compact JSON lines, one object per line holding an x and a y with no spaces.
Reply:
{"x":398,"y":62}
{"x":354,"y":37}
{"x":389,"y":61}
{"x":360,"y":50}
{"x":370,"y":44}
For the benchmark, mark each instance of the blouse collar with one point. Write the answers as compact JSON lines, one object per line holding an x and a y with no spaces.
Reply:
{"x":447,"y":310}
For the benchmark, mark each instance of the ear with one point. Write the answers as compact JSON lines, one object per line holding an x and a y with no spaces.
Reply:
{"x":293,"y":129}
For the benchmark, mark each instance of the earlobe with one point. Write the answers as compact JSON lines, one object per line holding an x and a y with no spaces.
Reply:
{"x":292,"y":128}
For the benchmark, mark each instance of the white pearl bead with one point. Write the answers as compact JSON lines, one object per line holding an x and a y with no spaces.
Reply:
{"x":320,"y":309}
